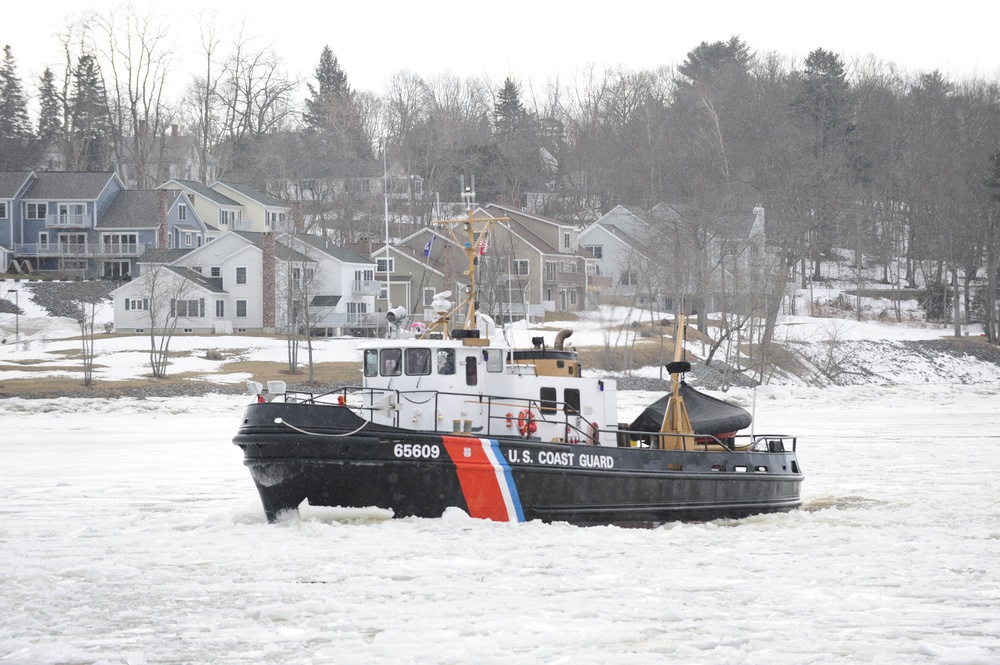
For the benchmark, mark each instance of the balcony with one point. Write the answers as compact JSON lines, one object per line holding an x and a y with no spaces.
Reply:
{"x":600,"y":281}
{"x":565,"y":278}
{"x":366,"y":287}
{"x":66,"y":221}
{"x":77,"y":249}
{"x":240,"y":225}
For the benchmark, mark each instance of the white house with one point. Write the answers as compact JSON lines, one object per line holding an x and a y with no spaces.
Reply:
{"x":251,"y":282}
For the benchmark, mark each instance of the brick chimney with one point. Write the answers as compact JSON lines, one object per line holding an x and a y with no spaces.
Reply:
{"x":161,"y":212}
{"x":267,"y":274}
{"x":615,"y":201}
{"x":298,"y":221}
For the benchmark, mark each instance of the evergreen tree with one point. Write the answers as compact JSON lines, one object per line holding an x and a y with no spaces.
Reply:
{"x":706,"y":63}
{"x":14,"y":121}
{"x":90,"y":129}
{"x":50,"y":115}
{"x":508,"y":112}
{"x":331,"y":90}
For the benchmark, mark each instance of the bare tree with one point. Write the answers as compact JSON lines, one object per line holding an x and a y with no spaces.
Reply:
{"x":168,"y":297}
{"x":136,"y":59}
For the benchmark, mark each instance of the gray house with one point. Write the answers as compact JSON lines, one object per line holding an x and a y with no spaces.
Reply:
{"x":84,"y":224}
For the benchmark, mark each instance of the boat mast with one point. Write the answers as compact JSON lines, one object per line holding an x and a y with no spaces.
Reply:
{"x":675,"y":418}
{"x":477,"y":231}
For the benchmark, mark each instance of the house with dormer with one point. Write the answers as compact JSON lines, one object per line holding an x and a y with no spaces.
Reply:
{"x":252,"y":282}
{"x":86,"y":224}
{"x":528,"y":265}
{"x":233,"y":206}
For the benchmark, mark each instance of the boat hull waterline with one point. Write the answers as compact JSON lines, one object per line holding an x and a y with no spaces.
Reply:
{"x":306,"y":452}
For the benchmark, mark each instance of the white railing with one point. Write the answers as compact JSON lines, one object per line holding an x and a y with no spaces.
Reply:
{"x":79,"y":249}
{"x":366,"y":287}
{"x":67,"y":219}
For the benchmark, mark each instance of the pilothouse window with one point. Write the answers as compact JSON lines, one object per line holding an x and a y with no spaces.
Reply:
{"x":371,"y":362}
{"x":446,"y":361}
{"x":418,"y":362}
{"x":391,"y":365}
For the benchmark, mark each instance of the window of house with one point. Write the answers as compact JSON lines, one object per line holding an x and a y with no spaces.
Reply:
{"x":629,"y":278}
{"x":36,"y":211}
{"x":418,"y":361}
{"x":241,"y":308}
{"x":188,"y":239}
{"x":72,"y":214}
{"x":194,"y":308}
{"x":43,"y":239}
{"x":116,"y":269}
{"x":241,"y":275}
{"x":220,"y":308}
{"x":385,"y":265}
{"x":197,"y":269}
{"x":390,"y":362}
{"x":364,"y":275}
{"x":520,"y":266}
{"x":136,"y":304}
{"x":3,"y":210}
{"x":566,"y":239}
{"x":215,"y":271}
{"x":596,"y":250}
{"x":572,"y":297}
{"x":428,"y":297}
{"x":182,"y":212}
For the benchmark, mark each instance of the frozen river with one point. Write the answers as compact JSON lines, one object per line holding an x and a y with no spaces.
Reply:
{"x":130,"y":532}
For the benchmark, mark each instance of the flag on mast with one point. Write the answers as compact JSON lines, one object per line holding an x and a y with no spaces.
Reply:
{"x":427,"y":247}
{"x":483,"y":247}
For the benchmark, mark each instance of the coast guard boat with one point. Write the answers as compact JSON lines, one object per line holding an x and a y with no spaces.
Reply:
{"x":454,"y":417}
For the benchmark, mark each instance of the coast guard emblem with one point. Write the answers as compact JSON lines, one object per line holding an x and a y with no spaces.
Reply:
{"x":467,"y":451}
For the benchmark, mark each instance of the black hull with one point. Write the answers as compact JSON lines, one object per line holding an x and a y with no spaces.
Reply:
{"x":508,"y":478}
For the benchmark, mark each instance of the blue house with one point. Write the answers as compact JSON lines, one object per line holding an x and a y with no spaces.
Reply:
{"x":83,"y":224}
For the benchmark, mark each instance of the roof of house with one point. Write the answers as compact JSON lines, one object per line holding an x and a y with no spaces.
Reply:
{"x":252,"y":193}
{"x":213,"y":284}
{"x":281,"y":252}
{"x":69,"y":185}
{"x":11,"y":182}
{"x":162,"y":255}
{"x":340,"y":253}
{"x":325,"y":301}
{"x":133,"y":209}
{"x":202,"y":190}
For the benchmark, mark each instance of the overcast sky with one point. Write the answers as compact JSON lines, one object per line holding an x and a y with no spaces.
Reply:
{"x":542,"y":39}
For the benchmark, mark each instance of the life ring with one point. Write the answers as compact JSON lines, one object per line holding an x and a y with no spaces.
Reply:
{"x":593,"y":433}
{"x":526,"y":423}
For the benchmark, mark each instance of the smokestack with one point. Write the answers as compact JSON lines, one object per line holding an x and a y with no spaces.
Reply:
{"x":267,"y":270}
{"x":162,"y":234}
{"x":298,"y":221}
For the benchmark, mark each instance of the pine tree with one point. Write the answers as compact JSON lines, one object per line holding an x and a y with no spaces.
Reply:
{"x":508,"y":112}
{"x":90,"y":130}
{"x":332,"y":90}
{"x":50,"y":115}
{"x":14,"y":121}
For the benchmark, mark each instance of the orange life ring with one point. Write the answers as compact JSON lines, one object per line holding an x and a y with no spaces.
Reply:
{"x":526,"y":423}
